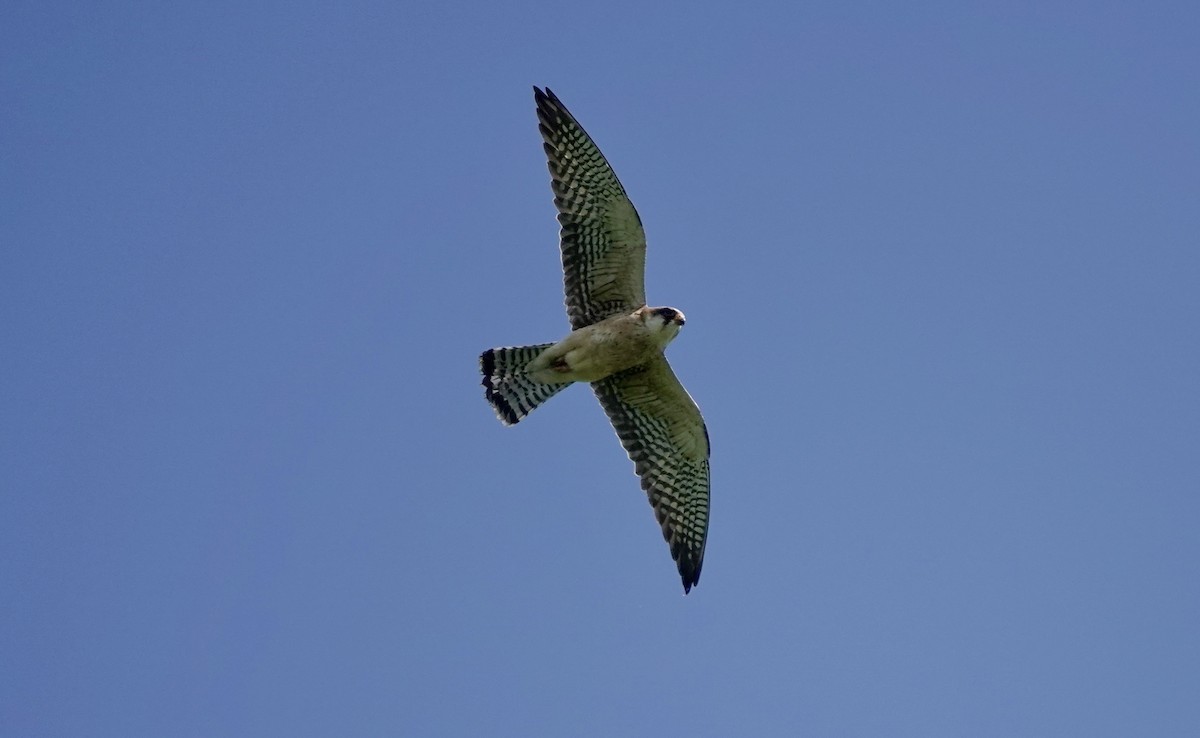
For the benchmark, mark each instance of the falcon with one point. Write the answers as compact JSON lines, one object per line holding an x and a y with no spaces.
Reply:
{"x":616,"y":341}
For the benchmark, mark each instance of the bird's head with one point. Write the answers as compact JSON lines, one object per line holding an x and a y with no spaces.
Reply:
{"x":663,"y":322}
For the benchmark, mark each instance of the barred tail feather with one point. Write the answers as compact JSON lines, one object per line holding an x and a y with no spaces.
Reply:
{"x":508,"y":387}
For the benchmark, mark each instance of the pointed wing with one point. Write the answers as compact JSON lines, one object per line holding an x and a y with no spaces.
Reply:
{"x":661,"y":428}
{"x":603,"y":244}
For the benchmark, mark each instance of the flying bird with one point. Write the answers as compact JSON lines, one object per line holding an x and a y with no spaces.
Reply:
{"x":616,"y":341}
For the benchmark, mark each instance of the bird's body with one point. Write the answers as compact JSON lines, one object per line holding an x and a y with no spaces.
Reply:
{"x":616,"y":342}
{"x":602,"y":349}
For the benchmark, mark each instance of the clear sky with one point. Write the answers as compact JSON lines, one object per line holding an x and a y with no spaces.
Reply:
{"x":941,"y":267}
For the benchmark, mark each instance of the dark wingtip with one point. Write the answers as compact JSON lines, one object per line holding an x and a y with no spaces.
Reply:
{"x":549,"y":107}
{"x":689,"y":572}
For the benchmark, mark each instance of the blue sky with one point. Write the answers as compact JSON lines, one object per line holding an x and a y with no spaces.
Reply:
{"x":941,"y":271}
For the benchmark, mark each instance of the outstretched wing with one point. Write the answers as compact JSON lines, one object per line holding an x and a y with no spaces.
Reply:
{"x":661,"y":427}
{"x":603,"y":244}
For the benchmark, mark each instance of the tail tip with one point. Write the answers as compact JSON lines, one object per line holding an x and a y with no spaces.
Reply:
{"x":504,"y":411}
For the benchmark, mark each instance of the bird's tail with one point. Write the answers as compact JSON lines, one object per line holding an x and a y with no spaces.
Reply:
{"x":507,"y":384}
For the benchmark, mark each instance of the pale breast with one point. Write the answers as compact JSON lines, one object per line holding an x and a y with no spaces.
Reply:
{"x":610,"y":346}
